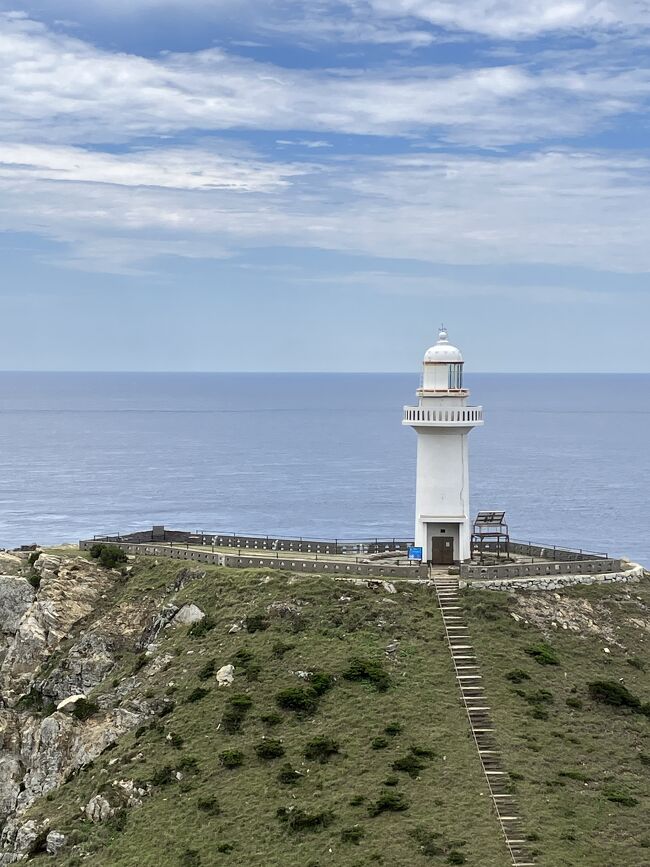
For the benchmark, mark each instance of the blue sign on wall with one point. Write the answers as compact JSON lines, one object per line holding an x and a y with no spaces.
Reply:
{"x":414,"y":553}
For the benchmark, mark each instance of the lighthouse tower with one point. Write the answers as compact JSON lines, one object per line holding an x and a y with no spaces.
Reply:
{"x":442,"y":420}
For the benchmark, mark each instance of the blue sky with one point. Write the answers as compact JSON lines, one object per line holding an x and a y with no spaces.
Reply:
{"x":275,"y":185}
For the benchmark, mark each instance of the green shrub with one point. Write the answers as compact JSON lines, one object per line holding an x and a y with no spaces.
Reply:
{"x":235,"y":712}
{"x":540,"y":696}
{"x":188,"y":764}
{"x":279,"y":648}
{"x":613,"y":693}
{"x":207,"y":671}
{"x":245,"y":660}
{"x":575,"y":775}
{"x":320,"y":682}
{"x":269,"y":748}
{"x":538,"y":712}
{"x":140,"y":661}
{"x":636,"y":662}
{"x":201,"y":627}
{"x":34,"y":579}
{"x":117,"y":822}
{"x":391,"y":781}
{"x":288,"y":776}
{"x":209,"y":806}
{"x":456,"y":857}
{"x":618,"y":797}
{"x":517,"y":675}
{"x":225,"y":847}
{"x":84,"y":709}
{"x":357,"y":800}
{"x":231,"y":759}
{"x":33,"y":557}
{"x":379,"y":743}
{"x":423,"y":752}
{"x":163,"y":776}
{"x":320,"y":749}
{"x":197,"y":694}
{"x":644,"y":759}
{"x":176,"y":740}
{"x":574,"y":702}
{"x":109,"y":556}
{"x":354,"y":835}
{"x":368,"y":671}
{"x":389,"y":802}
{"x":428,"y":841}
{"x":167,"y":709}
{"x":297,"y":698}
{"x":543,"y":654}
{"x":409,"y":764}
{"x":298,"y":820}
{"x":393,"y":729}
{"x":256,"y":623}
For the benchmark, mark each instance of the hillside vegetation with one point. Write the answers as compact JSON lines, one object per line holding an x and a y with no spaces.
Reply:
{"x":341,"y":739}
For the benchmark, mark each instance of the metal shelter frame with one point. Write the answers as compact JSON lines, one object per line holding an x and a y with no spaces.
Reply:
{"x":490,"y":534}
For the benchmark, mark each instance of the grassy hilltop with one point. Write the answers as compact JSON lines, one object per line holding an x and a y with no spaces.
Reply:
{"x":342,"y":741}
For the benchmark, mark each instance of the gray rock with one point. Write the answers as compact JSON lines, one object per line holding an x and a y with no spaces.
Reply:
{"x":226,"y":675}
{"x":98,"y":809}
{"x":55,"y":842}
{"x":188,"y":615}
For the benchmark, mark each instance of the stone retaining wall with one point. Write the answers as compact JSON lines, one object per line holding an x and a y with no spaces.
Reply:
{"x":246,"y":561}
{"x":525,"y":570}
{"x":557,"y":582}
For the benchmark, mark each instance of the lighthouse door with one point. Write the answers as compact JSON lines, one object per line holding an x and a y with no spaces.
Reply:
{"x":442,"y":550}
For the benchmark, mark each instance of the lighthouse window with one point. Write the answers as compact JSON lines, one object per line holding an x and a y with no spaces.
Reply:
{"x":455,"y":376}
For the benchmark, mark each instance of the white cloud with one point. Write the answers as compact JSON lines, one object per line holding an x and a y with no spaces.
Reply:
{"x":187,"y":169}
{"x":560,"y":208}
{"x":59,"y":88}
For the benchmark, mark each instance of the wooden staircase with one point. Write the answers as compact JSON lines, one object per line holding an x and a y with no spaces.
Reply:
{"x":469,"y":680}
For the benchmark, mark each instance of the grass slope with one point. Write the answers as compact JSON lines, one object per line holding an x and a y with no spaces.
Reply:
{"x":404,"y":746}
{"x":581,"y":768}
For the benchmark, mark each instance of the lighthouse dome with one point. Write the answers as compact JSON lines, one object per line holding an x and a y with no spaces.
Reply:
{"x":443,"y":352}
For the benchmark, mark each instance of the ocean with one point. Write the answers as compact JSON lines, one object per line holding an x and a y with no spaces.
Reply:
{"x":315,"y":455}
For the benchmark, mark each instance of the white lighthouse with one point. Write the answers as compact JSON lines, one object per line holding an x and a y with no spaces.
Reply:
{"x":442,"y":421}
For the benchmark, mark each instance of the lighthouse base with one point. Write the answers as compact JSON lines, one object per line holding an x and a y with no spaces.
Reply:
{"x":443,"y":543}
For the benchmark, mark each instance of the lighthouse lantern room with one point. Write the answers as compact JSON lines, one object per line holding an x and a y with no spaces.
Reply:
{"x":442,"y":420}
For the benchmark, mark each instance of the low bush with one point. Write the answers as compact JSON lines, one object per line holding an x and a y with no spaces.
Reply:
{"x":320,"y":749}
{"x":391,"y":781}
{"x":34,"y":579}
{"x":368,"y":671}
{"x":245,"y":660}
{"x":540,"y":696}
{"x":357,"y":800}
{"x":176,"y":740}
{"x":298,"y":820}
{"x":209,"y":806}
{"x":613,"y":693}
{"x":393,"y":729}
{"x":543,"y":654}
{"x":644,"y":759}
{"x":207,"y":671}
{"x":109,"y":556}
{"x":235,"y":712}
{"x":231,"y":759}
{"x":517,"y":675}
{"x":574,"y":702}
{"x":188,"y":765}
{"x":197,"y":694}
{"x":279,"y":648}
{"x":428,"y":842}
{"x":423,"y":752}
{"x":354,"y":835}
{"x":300,"y":699}
{"x":139,"y":663}
{"x":379,"y":743}
{"x":389,"y":802}
{"x":575,"y":775}
{"x":84,"y":709}
{"x":288,"y":776}
{"x":163,"y":776}
{"x":321,"y":681}
{"x":409,"y":764}
{"x":269,"y":749}
{"x":201,"y":627}
{"x":256,"y":623}
{"x":636,"y":662}
{"x":617,"y":797}
{"x":456,"y":857}
{"x":271,"y":719}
